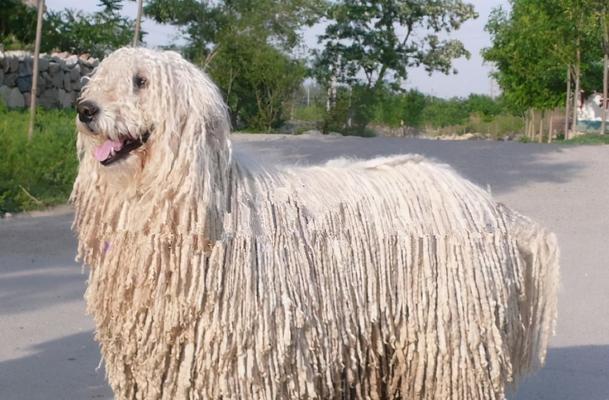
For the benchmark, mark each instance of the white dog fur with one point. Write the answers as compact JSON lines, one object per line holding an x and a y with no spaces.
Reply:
{"x":212,"y":278}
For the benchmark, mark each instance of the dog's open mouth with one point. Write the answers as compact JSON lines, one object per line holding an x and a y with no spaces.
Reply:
{"x":113,"y":150}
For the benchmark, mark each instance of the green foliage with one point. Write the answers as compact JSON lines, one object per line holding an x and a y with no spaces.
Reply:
{"x":97,"y":33}
{"x":17,"y":24}
{"x":440,"y":113}
{"x":485,"y":106}
{"x":496,"y":126}
{"x":414,"y":109}
{"x":534,"y":43}
{"x":587,"y":139}
{"x":258,"y":80}
{"x":474,"y":114}
{"x":382,"y":39}
{"x":402,"y":108}
{"x":207,"y":25}
{"x":309,"y":113}
{"x":336,"y":119}
{"x":245,"y":45}
{"x":39,"y":173}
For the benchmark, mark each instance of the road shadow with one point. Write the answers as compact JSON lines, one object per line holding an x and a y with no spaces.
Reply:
{"x":58,"y":369}
{"x":37,"y":267}
{"x":570,"y":373}
{"x":65,"y":369}
{"x":502,"y":165}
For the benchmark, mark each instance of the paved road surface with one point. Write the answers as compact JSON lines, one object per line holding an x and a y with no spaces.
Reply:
{"x":46,"y":345}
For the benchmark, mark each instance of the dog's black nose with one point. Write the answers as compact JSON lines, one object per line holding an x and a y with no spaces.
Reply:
{"x":86,"y":111}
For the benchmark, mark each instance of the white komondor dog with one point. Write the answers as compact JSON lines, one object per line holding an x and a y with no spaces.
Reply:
{"x":216,"y":278}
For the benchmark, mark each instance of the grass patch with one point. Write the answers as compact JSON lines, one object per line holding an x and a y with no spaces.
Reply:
{"x":40,"y":173}
{"x":314,"y":112}
{"x":587,"y":139}
{"x":495,"y":127}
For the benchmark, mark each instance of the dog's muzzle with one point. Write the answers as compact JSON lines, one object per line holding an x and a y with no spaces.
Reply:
{"x":87,"y":110}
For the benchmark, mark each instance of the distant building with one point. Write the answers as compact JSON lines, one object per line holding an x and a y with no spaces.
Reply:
{"x":590,"y":113}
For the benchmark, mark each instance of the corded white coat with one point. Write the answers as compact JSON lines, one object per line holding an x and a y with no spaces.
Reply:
{"x":215,"y":277}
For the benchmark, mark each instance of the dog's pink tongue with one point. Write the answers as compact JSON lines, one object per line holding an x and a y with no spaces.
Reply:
{"x":103,"y":151}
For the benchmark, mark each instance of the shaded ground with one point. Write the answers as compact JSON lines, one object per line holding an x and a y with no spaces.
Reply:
{"x":47,"y":350}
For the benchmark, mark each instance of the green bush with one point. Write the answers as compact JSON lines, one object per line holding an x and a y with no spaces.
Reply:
{"x":257,"y":80}
{"x":312,"y":112}
{"x":39,"y":173}
{"x":336,"y":120}
{"x":496,"y":126}
{"x":587,"y":139}
{"x":17,"y":25}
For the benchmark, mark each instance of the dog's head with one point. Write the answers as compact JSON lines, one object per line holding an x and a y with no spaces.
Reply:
{"x":143,"y":107}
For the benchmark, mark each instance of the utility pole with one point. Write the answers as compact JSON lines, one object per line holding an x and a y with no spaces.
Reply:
{"x":34,"y":90}
{"x":138,"y":22}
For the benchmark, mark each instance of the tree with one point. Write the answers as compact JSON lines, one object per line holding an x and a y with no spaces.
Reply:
{"x":17,"y":24}
{"x":602,"y":10}
{"x":534,"y":44}
{"x":258,"y":81}
{"x":98,"y":33}
{"x":207,"y":24}
{"x":528,"y":71}
{"x":372,"y":43}
{"x":246,"y":46}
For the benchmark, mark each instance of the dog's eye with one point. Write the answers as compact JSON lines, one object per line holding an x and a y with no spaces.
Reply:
{"x":139,"y":82}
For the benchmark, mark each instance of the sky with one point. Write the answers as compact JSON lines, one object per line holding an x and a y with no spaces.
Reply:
{"x":472,"y":77}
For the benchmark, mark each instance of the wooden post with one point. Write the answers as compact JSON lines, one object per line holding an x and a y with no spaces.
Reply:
{"x":541,"y":117}
{"x":568,"y":108}
{"x":577,"y":94}
{"x":138,"y":22}
{"x":34,"y":90}
{"x":604,"y":115}
{"x":551,"y":127}
{"x":605,"y":24}
{"x":531,"y":133}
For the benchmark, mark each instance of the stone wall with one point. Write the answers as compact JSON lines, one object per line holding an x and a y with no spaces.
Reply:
{"x":59,"y":79}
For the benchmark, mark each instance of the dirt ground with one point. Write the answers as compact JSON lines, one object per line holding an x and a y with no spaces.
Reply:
{"x":47,"y":349}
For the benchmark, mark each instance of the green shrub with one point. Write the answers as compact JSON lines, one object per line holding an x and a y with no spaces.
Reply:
{"x":496,"y":126}
{"x":39,"y":173}
{"x":314,"y":112}
{"x":587,"y":139}
{"x":336,"y":120}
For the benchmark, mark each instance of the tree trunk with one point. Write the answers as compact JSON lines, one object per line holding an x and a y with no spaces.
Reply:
{"x":577,"y":94}
{"x":541,"y":117}
{"x":531,"y":131}
{"x":551,"y":127}
{"x":605,"y":94}
{"x":34,"y":89}
{"x":568,"y":103}
{"x":138,"y":22}
{"x":605,"y":23}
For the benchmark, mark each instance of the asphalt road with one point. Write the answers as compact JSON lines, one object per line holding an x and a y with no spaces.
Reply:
{"x":46,"y":341}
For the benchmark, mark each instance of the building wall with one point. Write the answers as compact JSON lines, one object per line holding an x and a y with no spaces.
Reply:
{"x":590,"y":114}
{"x":59,"y":79}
